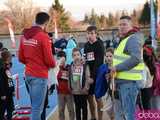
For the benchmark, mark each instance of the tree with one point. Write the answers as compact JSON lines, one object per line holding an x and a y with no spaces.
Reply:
{"x":21,"y":12}
{"x":116,"y":18}
{"x":86,"y":18}
{"x":134,"y":16}
{"x":58,"y":13}
{"x":124,"y":12}
{"x":102,"y":21}
{"x":63,"y":22}
{"x":145,"y":15}
{"x":93,"y":19}
{"x":110,"y":20}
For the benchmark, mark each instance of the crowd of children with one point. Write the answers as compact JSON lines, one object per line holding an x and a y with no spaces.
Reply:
{"x":87,"y":81}
{"x":79,"y":82}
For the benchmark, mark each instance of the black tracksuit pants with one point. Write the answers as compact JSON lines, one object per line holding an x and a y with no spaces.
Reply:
{"x":81,"y":107}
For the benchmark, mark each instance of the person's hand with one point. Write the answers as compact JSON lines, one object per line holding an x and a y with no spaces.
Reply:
{"x":108,"y":76}
{"x":62,"y":61}
{"x":83,"y":60}
{"x":90,"y":80}
{"x":113,"y":69}
{"x":85,"y":89}
{"x":3,"y":97}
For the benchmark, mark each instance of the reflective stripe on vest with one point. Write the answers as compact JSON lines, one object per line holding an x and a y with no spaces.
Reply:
{"x":135,"y":73}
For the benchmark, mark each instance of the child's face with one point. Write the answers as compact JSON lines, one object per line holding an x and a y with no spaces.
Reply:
{"x":91,"y":36}
{"x":109,"y":57}
{"x":7,"y":63}
{"x":76,"y":56}
{"x":62,"y":60}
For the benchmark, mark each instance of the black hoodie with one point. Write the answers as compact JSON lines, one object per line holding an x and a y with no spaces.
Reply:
{"x":94,"y":54}
{"x":6,"y":82}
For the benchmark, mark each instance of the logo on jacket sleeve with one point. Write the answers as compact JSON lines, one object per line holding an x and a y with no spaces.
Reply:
{"x":30,"y":42}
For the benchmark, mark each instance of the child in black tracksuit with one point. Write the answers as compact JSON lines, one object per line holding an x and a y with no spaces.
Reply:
{"x":6,"y":86}
{"x":79,"y":77}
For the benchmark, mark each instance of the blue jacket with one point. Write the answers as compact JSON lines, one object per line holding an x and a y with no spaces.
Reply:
{"x":101,"y":82}
{"x":70,"y":46}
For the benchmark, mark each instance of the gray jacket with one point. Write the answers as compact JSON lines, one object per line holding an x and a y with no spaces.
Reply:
{"x":81,"y":85}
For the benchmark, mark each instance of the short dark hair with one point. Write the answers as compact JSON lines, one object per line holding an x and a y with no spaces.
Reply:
{"x":76,"y":50}
{"x":92,"y":28}
{"x":4,"y":49}
{"x":42,"y":18}
{"x":125,"y":17}
{"x":110,"y":50}
{"x":50,"y":34}
{"x":1,"y":45}
{"x":5,"y":55}
{"x":61,"y":54}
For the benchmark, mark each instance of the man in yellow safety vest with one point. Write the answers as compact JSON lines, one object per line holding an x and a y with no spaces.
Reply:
{"x":128,"y":65}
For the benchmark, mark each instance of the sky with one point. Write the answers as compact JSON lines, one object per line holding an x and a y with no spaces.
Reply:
{"x":79,"y":7}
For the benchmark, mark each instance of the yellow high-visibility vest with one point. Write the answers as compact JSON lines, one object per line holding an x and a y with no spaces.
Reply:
{"x":135,"y":73}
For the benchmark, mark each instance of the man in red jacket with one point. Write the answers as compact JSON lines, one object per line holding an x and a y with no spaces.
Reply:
{"x":35,"y":52}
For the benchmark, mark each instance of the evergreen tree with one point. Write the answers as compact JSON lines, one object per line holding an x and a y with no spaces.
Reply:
{"x":145,"y":15}
{"x":110,"y":20}
{"x":102,"y":21}
{"x":58,"y":13}
{"x":94,"y":19}
{"x":134,"y":16}
{"x":124,"y":12}
{"x":86,"y":18}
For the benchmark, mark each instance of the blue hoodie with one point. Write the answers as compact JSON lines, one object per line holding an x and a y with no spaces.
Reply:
{"x":70,"y":46}
{"x":101,"y":82}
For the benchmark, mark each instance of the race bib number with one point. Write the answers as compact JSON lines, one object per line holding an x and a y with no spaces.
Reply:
{"x":10,"y":83}
{"x":76,"y":77}
{"x":76,"y":74}
{"x":90,"y":56}
{"x":64,"y":75}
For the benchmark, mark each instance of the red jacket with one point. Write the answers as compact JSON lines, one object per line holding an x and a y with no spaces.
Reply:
{"x":35,"y":52}
{"x":63,"y":77}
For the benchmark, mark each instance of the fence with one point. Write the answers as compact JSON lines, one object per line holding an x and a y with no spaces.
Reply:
{"x":80,"y":36}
